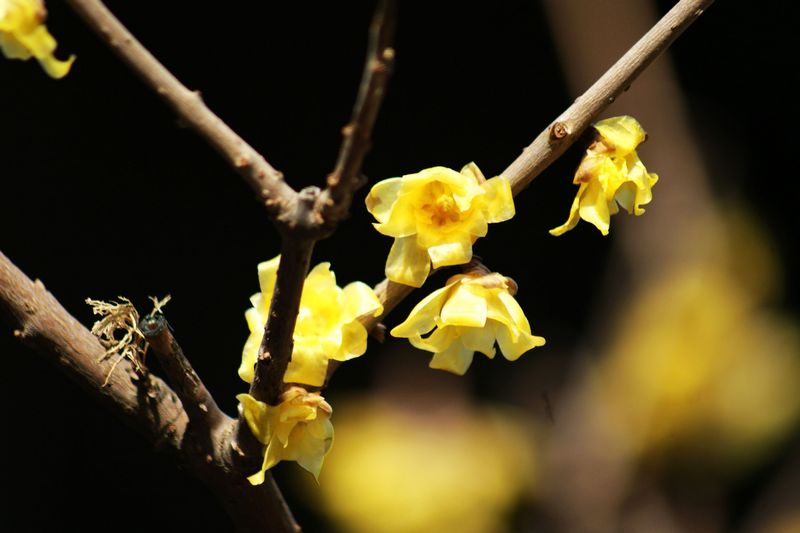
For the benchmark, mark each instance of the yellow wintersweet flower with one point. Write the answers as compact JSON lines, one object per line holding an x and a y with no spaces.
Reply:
{"x":298,"y":429}
{"x":468,"y":315}
{"x":23,"y":35}
{"x":435,"y":216}
{"x":610,"y":173}
{"x":327,"y":323}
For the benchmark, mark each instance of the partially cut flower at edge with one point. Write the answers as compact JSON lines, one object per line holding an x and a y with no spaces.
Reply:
{"x":23,"y":35}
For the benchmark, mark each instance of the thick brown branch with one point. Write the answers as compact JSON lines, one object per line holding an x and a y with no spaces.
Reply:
{"x":334,"y":202}
{"x":257,"y":172}
{"x":203,"y":412}
{"x":144,"y":402}
{"x":569,"y":126}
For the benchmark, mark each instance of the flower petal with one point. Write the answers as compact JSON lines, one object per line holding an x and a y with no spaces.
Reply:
{"x":407,"y":262}
{"x":480,"y":340}
{"x":354,"y":342}
{"x":464,"y":308}
{"x":499,"y":201}
{"x":512,"y":348}
{"x":574,"y":214}
{"x":382,"y":197}
{"x":308,"y":367}
{"x":359,"y":299}
{"x":423,"y":317}
{"x":594,"y":207}
{"x":453,"y":253}
{"x":267,"y":273}
{"x":623,"y":133}
{"x":455,"y":359}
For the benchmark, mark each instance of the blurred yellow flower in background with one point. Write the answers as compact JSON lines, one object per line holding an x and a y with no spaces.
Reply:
{"x":441,"y":469}
{"x":700,"y":365}
{"x":327,"y":323}
{"x":468,"y":315}
{"x":435,"y":216}
{"x":23,"y":35}
{"x":609,"y":175}
{"x":298,"y":429}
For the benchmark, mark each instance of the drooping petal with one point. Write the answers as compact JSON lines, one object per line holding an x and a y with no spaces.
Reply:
{"x":512,"y":348}
{"x":407,"y":262}
{"x":574,"y":214}
{"x":479,"y":340}
{"x":456,"y":359}
{"x":257,"y":416}
{"x":438,"y":341}
{"x":423,"y":317}
{"x":594,"y":207}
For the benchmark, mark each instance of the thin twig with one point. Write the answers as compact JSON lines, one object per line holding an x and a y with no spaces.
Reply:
{"x":200,"y":406}
{"x":334,"y":202}
{"x":569,"y":126}
{"x":267,"y":182}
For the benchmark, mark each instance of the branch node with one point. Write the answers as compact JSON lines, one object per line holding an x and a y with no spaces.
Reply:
{"x":559,"y":130}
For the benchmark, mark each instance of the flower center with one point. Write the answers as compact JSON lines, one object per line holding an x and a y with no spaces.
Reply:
{"x":439,"y":206}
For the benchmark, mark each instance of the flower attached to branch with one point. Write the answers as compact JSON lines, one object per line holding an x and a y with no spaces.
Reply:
{"x":297,"y":429}
{"x":467,"y":316}
{"x":609,"y":175}
{"x":23,"y":35}
{"x":327,"y":323}
{"x":435,"y":216}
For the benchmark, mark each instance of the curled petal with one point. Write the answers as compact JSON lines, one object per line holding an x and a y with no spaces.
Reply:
{"x":382,"y":197}
{"x":354,"y":342}
{"x":594,"y":207}
{"x":511,"y":347}
{"x":423,"y":317}
{"x":453,"y":253}
{"x":574,"y":214}
{"x":623,"y":133}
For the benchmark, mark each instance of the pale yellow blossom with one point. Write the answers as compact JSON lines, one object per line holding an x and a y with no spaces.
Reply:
{"x":298,"y":429}
{"x":23,"y":35}
{"x":468,"y":315}
{"x":435,"y":216}
{"x":327,"y":323}
{"x":611,"y":175}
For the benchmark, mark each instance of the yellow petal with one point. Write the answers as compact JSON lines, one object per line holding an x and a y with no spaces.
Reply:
{"x":453,"y":253}
{"x":359,"y":299}
{"x":307,"y":367}
{"x":267,"y":273}
{"x":354,"y":342}
{"x":407,"y":262}
{"x":438,"y":341}
{"x":455,"y":359}
{"x":257,"y":416}
{"x":480,"y":340}
{"x":512,"y":349}
{"x":250,"y":355}
{"x":464,"y":308}
{"x":574,"y":214}
{"x":382,"y":197}
{"x":623,"y":133}
{"x":472,"y":171}
{"x":499,"y":201}
{"x":311,"y":450}
{"x":423,"y":317}
{"x":594,"y":207}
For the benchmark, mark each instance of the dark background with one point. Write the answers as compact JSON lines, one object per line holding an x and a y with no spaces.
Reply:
{"x":104,"y":194}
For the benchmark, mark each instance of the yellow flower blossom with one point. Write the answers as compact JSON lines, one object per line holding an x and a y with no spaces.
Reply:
{"x":298,"y":429}
{"x":23,"y":35}
{"x":327,"y":323}
{"x":435,"y":216}
{"x":609,"y":175}
{"x":468,"y":315}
